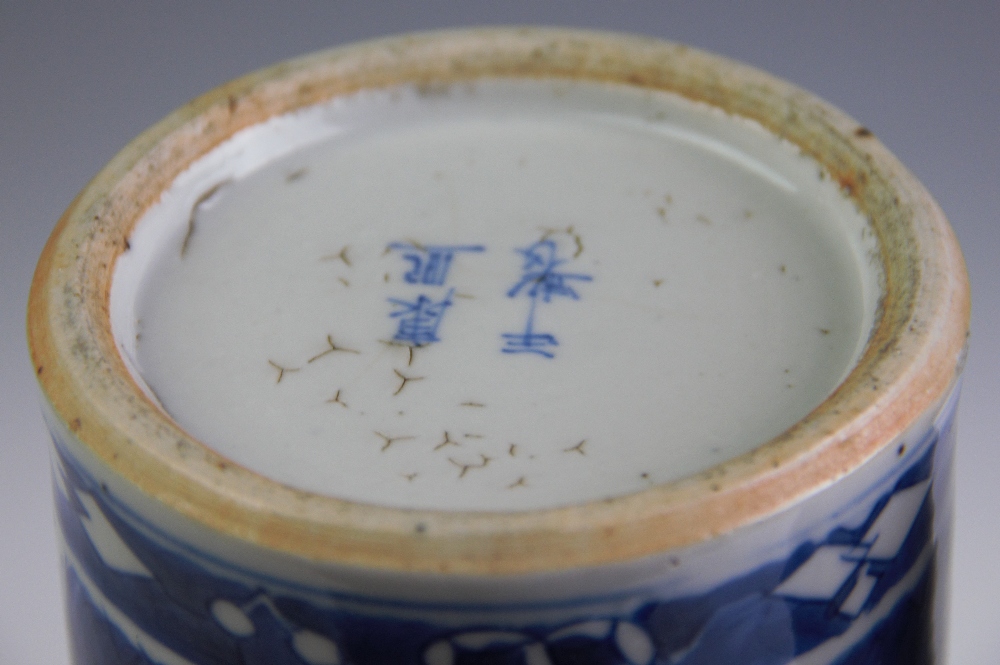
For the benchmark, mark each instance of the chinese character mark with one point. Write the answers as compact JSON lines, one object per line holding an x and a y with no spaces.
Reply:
{"x":540,"y":282}
{"x":430,"y":263}
{"x":419,"y":319}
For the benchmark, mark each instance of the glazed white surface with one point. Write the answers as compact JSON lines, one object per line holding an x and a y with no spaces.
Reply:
{"x":908,"y":80}
{"x":714,"y":289}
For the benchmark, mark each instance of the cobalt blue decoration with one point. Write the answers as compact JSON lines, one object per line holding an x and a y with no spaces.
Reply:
{"x":136,"y":597}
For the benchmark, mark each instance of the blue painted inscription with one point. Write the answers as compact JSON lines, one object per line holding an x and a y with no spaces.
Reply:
{"x":429,"y":264}
{"x":540,"y":281}
{"x":419,"y":319}
{"x":420,"y":316}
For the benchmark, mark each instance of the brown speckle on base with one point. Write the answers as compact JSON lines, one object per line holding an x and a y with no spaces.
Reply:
{"x":570,"y":230}
{"x":296,"y":175}
{"x":447,"y":442}
{"x":339,"y":256}
{"x":405,"y":379}
{"x":520,"y":482}
{"x":282,"y":370}
{"x":464,"y":468}
{"x":848,"y":182}
{"x":336,"y":400}
{"x":192,"y":218}
{"x":389,"y":440}
{"x":332,"y":348}
{"x":410,"y":348}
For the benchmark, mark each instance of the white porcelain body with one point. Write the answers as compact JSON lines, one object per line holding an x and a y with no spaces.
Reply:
{"x":827,"y":544}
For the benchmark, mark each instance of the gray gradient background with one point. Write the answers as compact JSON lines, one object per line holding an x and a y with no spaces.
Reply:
{"x":78,"y":81}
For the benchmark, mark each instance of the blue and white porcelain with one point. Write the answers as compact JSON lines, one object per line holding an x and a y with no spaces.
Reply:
{"x":856,"y":586}
{"x":826,"y":542}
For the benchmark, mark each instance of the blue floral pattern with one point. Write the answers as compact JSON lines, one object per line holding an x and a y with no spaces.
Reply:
{"x":134,"y":599}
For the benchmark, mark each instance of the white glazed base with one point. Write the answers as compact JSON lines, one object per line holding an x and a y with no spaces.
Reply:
{"x":337,"y":298}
